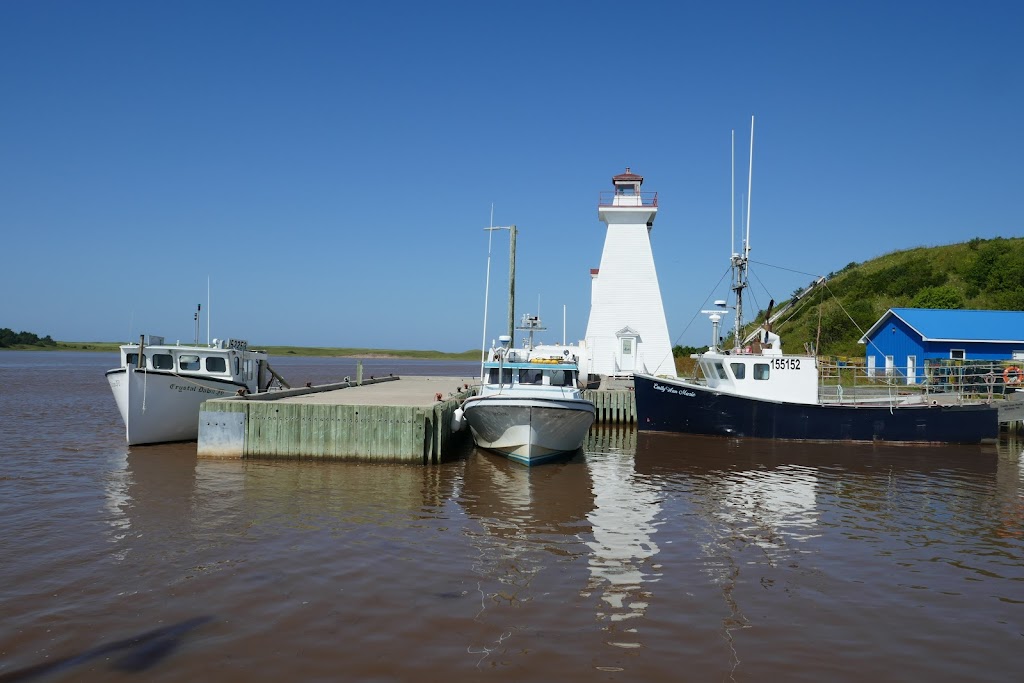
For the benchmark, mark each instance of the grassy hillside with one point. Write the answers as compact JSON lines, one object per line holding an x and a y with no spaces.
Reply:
{"x":980,"y":274}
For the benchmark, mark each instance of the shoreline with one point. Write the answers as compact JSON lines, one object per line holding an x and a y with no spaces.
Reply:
{"x":278,"y":351}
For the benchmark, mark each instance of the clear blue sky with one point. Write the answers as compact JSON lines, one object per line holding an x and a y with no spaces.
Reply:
{"x":330,"y":166}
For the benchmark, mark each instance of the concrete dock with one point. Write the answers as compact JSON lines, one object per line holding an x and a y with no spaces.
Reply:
{"x":384,"y":419}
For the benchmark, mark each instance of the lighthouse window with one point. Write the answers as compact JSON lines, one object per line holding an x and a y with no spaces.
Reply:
{"x":188,"y":362}
{"x":739,"y":370}
{"x":761,"y":370}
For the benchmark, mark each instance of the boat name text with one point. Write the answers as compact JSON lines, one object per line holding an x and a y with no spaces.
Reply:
{"x":664,"y":388}
{"x":196,"y":388}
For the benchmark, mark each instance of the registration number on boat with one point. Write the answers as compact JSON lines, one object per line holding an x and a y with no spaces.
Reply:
{"x":786,"y":363}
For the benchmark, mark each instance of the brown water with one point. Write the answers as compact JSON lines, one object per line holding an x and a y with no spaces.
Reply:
{"x":647,"y":558}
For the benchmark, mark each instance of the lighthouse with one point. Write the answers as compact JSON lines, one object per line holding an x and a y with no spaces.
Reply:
{"x":627,"y":332}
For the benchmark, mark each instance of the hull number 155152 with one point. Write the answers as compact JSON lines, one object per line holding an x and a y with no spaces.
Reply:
{"x":786,"y":363}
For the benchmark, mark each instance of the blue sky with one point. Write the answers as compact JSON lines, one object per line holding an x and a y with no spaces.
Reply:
{"x":330,"y":167}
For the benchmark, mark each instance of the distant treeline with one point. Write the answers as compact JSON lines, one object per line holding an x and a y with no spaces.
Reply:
{"x":9,"y":338}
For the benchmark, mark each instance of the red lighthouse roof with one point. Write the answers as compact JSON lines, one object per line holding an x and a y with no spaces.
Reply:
{"x":628,"y":176}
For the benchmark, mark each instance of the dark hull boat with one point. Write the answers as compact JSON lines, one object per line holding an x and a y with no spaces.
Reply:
{"x":665,"y":405}
{"x":755,"y":390}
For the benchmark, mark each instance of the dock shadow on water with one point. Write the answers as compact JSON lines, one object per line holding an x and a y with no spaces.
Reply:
{"x":134,"y":655}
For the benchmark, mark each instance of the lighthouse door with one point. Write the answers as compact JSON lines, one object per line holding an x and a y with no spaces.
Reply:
{"x":627,"y":354}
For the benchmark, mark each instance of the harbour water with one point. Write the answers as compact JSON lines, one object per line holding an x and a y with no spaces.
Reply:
{"x":644,"y":558}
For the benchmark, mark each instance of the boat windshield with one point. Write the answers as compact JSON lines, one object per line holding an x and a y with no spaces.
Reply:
{"x":506,"y":376}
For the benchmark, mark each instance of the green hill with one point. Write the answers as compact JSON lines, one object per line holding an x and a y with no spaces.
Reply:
{"x":979,"y":274}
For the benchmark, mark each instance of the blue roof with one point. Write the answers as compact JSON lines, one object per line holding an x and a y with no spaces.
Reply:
{"x":937,"y":324}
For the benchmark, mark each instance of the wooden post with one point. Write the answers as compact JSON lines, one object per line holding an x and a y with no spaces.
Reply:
{"x":512,"y":283}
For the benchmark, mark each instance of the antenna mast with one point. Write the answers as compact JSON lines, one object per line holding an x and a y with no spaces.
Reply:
{"x":740,"y":261}
{"x":199,"y":307}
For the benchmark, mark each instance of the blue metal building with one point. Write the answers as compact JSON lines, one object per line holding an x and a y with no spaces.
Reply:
{"x":906,"y":340}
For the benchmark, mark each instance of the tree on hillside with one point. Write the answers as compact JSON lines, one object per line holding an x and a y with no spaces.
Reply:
{"x":944,"y":296}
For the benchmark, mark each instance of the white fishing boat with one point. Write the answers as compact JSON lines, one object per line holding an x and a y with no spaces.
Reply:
{"x":529,"y":405}
{"x":159,"y":387}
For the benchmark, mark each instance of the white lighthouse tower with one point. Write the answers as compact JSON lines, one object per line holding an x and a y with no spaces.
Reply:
{"x":627,"y":331}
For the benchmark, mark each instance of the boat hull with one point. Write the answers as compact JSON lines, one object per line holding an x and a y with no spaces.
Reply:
{"x":528,"y":430}
{"x":163,"y":407}
{"x":673,"y":406}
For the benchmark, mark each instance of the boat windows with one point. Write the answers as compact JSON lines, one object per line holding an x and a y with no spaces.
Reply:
{"x":188,"y":362}
{"x":131,"y":360}
{"x":720,"y":371}
{"x":739,"y":370}
{"x":216,"y":364}
{"x":506,"y":376}
{"x":163,"y":361}
{"x":238,"y":365}
{"x":761,"y":370}
{"x":530,"y":377}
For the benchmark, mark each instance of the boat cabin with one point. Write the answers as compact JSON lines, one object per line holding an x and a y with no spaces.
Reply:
{"x":225,"y":360}
{"x":498,"y":375}
{"x":769,"y":376}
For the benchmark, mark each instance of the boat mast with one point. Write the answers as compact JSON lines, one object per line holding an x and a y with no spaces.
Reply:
{"x":511,"y":280}
{"x":740,"y":261}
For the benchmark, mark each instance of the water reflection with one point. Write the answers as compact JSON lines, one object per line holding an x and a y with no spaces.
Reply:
{"x":525,"y":527}
{"x":623,"y":523}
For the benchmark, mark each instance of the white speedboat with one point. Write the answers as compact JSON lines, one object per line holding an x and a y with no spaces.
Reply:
{"x":159,"y":387}
{"x":529,"y":406}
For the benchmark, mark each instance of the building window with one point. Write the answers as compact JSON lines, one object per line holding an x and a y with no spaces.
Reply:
{"x":739,"y":370}
{"x":890,"y":362}
{"x":761,"y":370}
{"x":957,"y":354}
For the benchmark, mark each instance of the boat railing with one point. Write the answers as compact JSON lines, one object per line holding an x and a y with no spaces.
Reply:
{"x":845,"y":381}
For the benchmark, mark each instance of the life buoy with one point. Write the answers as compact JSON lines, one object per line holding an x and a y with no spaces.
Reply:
{"x":1012,"y":375}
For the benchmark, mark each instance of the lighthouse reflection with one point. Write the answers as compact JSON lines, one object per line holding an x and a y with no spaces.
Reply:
{"x":623,"y":522}
{"x":587,"y":523}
